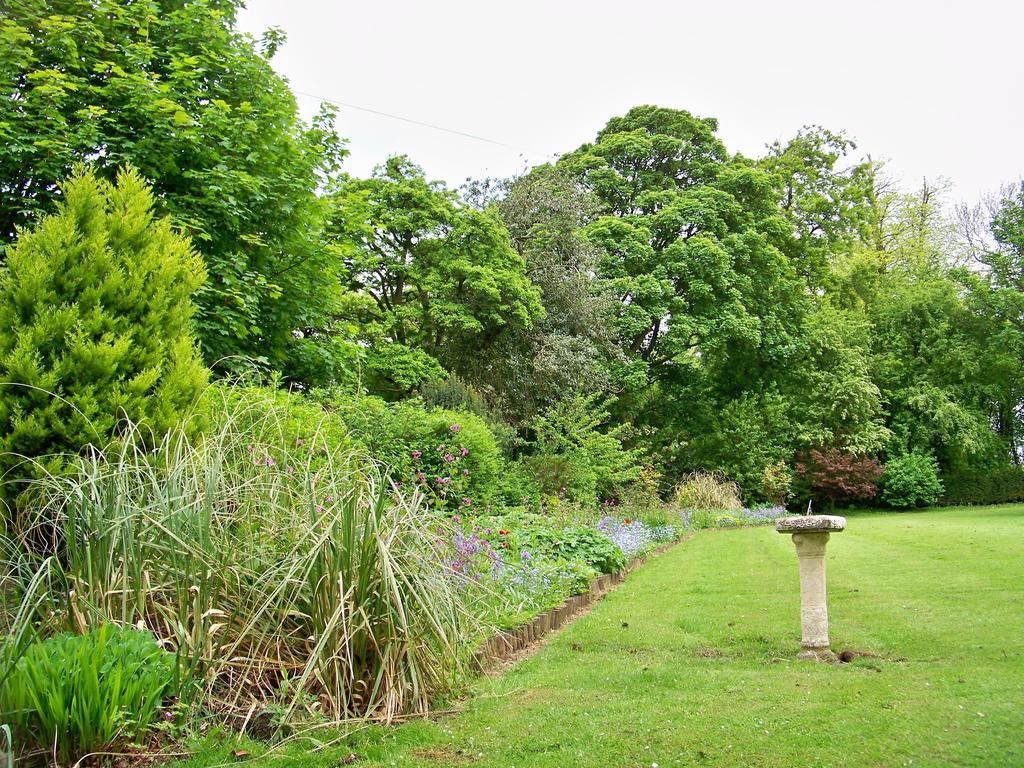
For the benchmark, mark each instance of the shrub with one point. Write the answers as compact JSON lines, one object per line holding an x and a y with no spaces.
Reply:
{"x":580,"y":460}
{"x":642,"y":495}
{"x":987,"y":486}
{"x":75,"y":694}
{"x":776,"y":483}
{"x":454,"y":394}
{"x":707,"y":490}
{"x":519,"y":485}
{"x":450,"y":455}
{"x":838,"y":476}
{"x":568,"y":476}
{"x":95,"y":326}
{"x":277,"y":574}
{"x":911,"y":480}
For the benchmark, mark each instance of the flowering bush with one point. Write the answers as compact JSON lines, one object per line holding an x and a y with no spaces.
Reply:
{"x":455,"y":452}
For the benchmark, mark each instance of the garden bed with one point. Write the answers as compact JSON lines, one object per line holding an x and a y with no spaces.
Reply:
{"x":506,"y":644}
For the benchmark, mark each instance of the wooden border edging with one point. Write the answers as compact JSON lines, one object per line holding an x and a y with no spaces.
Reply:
{"x":504,"y":644}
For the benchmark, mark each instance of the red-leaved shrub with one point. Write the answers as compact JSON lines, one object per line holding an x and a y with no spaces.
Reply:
{"x":834,"y":475}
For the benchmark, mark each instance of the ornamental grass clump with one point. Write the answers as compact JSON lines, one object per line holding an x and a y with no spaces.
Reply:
{"x":285,"y":574}
{"x":704,"y":490}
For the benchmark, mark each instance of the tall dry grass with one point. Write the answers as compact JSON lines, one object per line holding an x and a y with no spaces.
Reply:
{"x":703,"y":490}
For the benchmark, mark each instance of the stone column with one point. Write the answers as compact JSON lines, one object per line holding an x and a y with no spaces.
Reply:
{"x":810,"y":535}
{"x":810,"y":549}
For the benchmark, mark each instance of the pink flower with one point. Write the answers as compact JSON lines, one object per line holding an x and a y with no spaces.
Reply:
{"x":449,"y":458}
{"x":455,"y":427}
{"x":465,"y":473}
{"x":465,"y":451}
{"x":269,"y":461}
{"x":417,"y":454}
{"x":290,"y":470}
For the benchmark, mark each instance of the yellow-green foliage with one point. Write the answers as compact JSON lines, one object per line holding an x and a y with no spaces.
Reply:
{"x":95,"y":325}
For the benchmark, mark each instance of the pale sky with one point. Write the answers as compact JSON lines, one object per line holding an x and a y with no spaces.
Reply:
{"x":935,"y":87}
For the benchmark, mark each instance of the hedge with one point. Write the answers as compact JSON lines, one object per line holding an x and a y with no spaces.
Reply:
{"x":998,"y":486}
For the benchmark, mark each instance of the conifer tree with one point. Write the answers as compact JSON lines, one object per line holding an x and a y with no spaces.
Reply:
{"x":95,"y":326}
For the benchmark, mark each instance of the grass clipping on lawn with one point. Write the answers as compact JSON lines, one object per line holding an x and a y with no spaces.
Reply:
{"x":281,"y":570}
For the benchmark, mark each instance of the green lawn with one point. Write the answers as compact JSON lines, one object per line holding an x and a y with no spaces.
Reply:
{"x":691,"y":662}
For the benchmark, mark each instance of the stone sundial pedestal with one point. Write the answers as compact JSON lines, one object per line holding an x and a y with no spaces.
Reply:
{"x":810,"y":535}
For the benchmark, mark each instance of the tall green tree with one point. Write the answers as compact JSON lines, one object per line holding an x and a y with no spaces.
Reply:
{"x":174,"y":89}
{"x":996,"y":300}
{"x":573,"y":348}
{"x":429,"y":281}
{"x":96,"y":318}
{"x":693,"y":242}
{"x":823,"y":195}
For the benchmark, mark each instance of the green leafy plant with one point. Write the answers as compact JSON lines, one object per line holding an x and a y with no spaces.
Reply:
{"x":911,"y":481}
{"x":572,"y":543}
{"x":74,"y":694}
{"x":576,"y":456}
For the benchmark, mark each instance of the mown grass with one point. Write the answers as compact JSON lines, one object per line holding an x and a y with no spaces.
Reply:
{"x":691,"y":662}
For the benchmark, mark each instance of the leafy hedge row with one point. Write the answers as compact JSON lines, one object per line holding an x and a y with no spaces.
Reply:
{"x":998,"y":486}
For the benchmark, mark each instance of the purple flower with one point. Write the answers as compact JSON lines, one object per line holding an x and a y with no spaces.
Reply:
{"x":443,"y":480}
{"x":449,"y":458}
{"x":524,"y":556}
{"x":466,"y":500}
{"x":455,"y":427}
{"x":417,"y":454}
{"x":465,"y":452}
